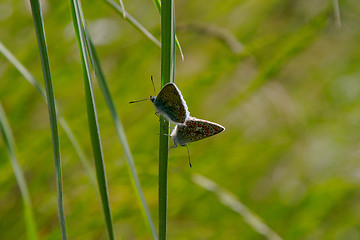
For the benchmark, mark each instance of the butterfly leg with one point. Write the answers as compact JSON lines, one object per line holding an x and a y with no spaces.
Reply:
{"x":173,"y":146}
{"x":188,"y":155}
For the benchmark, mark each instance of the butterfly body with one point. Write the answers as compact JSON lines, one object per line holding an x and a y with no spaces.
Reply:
{"x":194,"y":129}
{"x":171,"y":104}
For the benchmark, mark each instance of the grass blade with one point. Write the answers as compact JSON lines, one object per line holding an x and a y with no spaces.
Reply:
{"x":27,"y":75}
{"x":167,"y":75}
{"x":230,"y":201}
{"x":121,"y":134}
{"x":122,"y":8}
{"x":10,"y":145}
{"x":92,"y":117}
{"x":337,"y":12}
{"x":40,"y":33}
{"x":119,"y":128}
{"x":158,"y":6}
{"x":133,"y":21}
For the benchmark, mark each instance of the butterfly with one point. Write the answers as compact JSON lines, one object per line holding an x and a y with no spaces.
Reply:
{"x":193,"y":130}
{"x":170,"y":104}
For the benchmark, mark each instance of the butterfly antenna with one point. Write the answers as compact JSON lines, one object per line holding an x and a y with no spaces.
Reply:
{"x":140,"y":100}
{"x":188,"y":155}
{"x":152,"y":80}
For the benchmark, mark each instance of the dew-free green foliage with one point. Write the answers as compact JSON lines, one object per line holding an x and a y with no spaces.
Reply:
{"x":167,"y":75}
{"x":50,"y":99}
{"x":81,"y":37}
{"x":281,"y":76}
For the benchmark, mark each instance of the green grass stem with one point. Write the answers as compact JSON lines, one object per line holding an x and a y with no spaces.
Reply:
{"x":119,"y":128}
{"x":132,"y":21}
{"x":158,"y":6}
{"x":123,"y":140}
{"x":337,"y":12}
{"x":40,"y":34}
{"x":92,"y":117}
{"x":122,"y":8}
{"x":120,"y":131}
{"x":167,"y":75}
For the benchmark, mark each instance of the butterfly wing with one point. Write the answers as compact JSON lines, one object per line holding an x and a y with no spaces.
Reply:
{"x":194,"y":130}
{"x":171,"y":104}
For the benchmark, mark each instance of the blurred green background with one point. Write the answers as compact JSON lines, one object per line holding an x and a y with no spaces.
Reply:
{"x":283,"y":77}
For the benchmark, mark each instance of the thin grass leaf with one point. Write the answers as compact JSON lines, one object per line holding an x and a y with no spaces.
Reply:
{"x":229,"y":200}
{"x":119,"y":128}
{"x":40,"y":33}
{"x":122,"y":8}
{"x":158,"y":6}
{"x":337,"y":12}
{"x":167,"y":75}
{"x":35,"y":83}
{"x":92,"y":117}
{"x":121,"y":135}
{"x":10,"y":146}
{"x":133,"y":21}
{"x":27,"y":75}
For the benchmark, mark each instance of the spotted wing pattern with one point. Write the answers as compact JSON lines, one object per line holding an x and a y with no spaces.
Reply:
{"x":171,"y":104}
{"x":194,"y":130}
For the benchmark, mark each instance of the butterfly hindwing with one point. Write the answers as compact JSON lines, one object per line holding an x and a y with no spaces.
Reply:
{"x":194,"y":130}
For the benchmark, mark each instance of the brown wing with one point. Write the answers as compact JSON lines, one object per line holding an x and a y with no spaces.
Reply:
{"x":171,"y":103}
{"x":197,"y":129}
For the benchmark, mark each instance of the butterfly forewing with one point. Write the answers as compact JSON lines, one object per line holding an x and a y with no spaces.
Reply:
{"x":170,"y":103}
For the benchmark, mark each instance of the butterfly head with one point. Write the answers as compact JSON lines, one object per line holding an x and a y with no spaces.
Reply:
{"x":152,"y":98}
